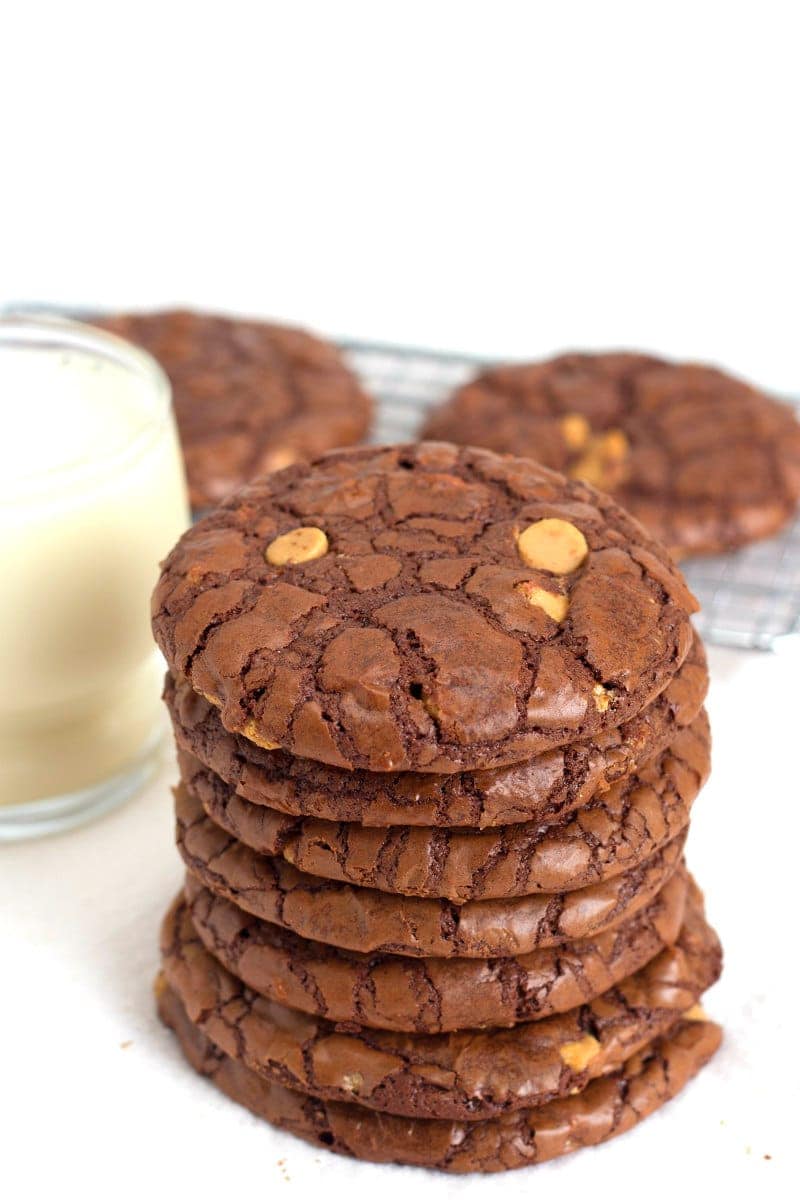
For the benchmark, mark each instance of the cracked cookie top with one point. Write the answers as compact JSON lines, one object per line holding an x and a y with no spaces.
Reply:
{"x":249,"y":396}
{"x":421,"y":607}
{"x":705,"y":461}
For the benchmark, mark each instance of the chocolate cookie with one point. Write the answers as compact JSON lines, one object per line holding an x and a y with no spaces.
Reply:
{"x":468,"y":1075}
{"x":624,"y":826}
{"x":363,"y":919}
{"x":706,"y":462}
{"x":436,"y":995}
{"x":249,"y":397}
{"x":421,"y":607}
{"x":605,"y":1108}
{"x":543,"y":789}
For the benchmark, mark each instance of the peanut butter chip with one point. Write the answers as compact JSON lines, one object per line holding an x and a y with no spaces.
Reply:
{"x":552,"y":545}
{"x":251,"y":731}
{"x":278,"y":458}
{"x":603,"y":464}
{"x":297,"y":546}
{"x":695,"y":1013}
{"x":553,"y":603}
{"x":575,"y":430}
{"x":353,"y":1083}
{"x":578,"y":1055}
{"x":602,"y":697}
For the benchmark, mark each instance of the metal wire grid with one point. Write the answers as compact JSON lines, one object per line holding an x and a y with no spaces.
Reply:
{"x":750,"y":599}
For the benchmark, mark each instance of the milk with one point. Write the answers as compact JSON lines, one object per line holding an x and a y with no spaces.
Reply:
{"x":92,"y":496}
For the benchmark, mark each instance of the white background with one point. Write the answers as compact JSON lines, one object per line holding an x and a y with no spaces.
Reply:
{"x":505,"y":178}
{"x":498,"y":177}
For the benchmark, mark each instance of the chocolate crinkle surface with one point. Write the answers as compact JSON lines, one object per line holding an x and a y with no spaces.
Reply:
{"x":421,"y":608}
{"x":544,"y":788}
{"x":249,"y":396}
{"x":367,"y":920}
{"x":621,"y":827}
{"x":435,"y":995}
{"x":605,"y":1108}
{"x":704,"y":460}
{"x":466,"y":1075}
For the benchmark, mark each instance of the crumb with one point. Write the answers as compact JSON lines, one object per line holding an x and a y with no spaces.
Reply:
{"x":768,"y":1157}
{"x":124,"y":1045}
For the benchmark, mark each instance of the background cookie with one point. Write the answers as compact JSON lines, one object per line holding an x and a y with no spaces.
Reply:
{"x":421,"y":607}
{"x":435,"y":995}
{"x":606,"y":1107}
{"x":625,"y":825}
{"x":249,"y":396}
{"x":705,"y":461}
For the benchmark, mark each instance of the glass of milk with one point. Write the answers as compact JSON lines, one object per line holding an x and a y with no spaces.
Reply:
{"x":92,"y":496}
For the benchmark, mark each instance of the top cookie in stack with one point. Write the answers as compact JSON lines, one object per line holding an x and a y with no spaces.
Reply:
{"x":421,"y":608}
{"x":440,"y":731}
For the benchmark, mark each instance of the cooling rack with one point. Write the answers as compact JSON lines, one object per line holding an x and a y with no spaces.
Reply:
{"x":749,"y":599}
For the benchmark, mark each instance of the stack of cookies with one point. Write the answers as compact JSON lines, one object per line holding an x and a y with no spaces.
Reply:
{"x":440,"y":729}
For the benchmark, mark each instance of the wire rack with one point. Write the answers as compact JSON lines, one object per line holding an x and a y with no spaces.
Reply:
{"x":750,"y":599}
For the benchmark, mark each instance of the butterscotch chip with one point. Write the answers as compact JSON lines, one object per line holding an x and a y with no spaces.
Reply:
{"x":695,"y":1013}
{"x":280,"y":457}
{"x":251,"y":732}
{"x":578,"y":1055}
{"x":603,"y":463}
{"x":553,"y":603}
{"x":297,"y":546}
{"x":613,"y":445}
{"x":575,"y":430}
{"x":601,"y":697}
{"x":553,"y":545}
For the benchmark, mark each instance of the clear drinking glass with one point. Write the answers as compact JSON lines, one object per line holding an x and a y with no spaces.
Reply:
{"x":92,"y":496}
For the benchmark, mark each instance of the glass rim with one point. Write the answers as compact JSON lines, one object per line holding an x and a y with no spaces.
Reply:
{"x":62,"y":333}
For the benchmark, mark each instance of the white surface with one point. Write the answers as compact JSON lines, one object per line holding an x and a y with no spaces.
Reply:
{"x":96,"y":1100}
{"x":505,"y":177}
